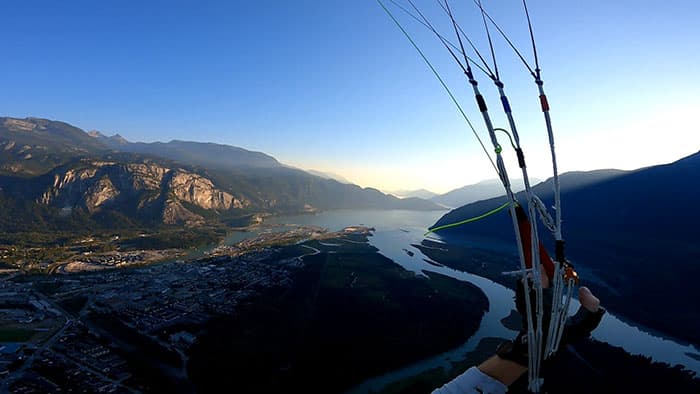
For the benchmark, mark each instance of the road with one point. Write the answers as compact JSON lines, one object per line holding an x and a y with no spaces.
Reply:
{"x":314,"y":251}
{"x":4,"y":387}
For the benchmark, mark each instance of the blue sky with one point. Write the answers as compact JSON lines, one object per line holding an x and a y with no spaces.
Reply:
{"x":333,"y":85}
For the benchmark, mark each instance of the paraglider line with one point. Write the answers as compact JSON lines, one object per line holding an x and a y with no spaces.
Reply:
{"x":505,"y":37}
{"x":488,"y":35}
{"x":470,"y":220}
{"x":446,"y":7}
{"x":442,"y":82}
{"x":469,"y":59}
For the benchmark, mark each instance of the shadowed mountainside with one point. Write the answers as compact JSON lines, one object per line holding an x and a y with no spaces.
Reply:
{"x":633,"y":236}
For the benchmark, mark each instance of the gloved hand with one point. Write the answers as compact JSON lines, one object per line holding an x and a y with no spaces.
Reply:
{"x":585,"y":320}
{"x":576,"y":327}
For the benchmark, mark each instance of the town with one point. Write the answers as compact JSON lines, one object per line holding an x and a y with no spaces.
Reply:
{"x":75,"y":330}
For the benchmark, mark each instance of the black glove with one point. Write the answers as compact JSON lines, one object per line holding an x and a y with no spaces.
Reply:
{"x":581,"y":324}
{"x":576,"y":327}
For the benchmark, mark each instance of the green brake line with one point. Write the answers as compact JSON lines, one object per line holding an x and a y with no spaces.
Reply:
{"x":485,"y":215}
{"x":474,"y":219}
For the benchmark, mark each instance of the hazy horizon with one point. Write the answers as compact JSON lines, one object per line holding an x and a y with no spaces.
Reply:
{"x":340,"y":176}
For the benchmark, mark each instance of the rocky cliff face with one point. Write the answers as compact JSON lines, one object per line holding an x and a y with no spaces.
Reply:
{"x":100,"y":193}
{"x":24,"y":124}
{"x":146,"y":189}
{"x":201,"y":192}
{"x":175,"y":213}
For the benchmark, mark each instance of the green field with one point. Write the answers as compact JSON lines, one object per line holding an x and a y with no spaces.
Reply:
{"x":9,"y":334}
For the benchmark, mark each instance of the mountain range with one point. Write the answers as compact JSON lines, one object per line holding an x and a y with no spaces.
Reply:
{"x":205,"y":154}
{"x":419,"y":193}
{"x":54,"y":175}
{"x":466,"y":194}
{"x":479,"y":191}
{"x":633,"y":235}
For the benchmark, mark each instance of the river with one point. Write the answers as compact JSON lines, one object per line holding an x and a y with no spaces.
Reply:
{"x":396,"y":230}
